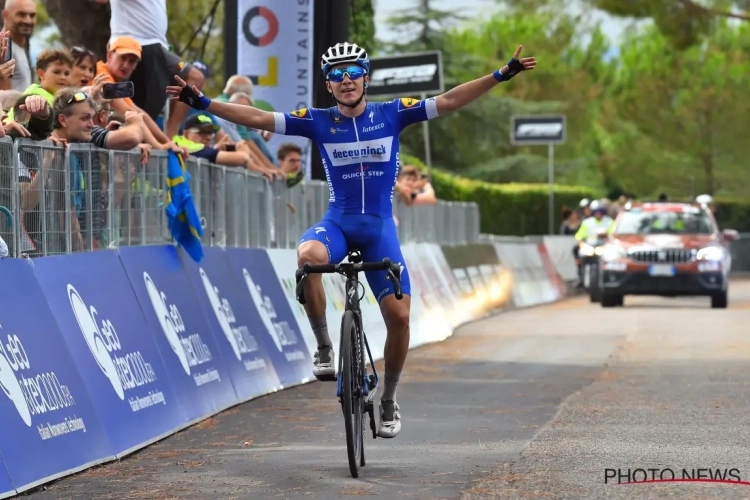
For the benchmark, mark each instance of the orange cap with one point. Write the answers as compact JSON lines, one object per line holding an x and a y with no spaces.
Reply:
{"x":126,"y":45}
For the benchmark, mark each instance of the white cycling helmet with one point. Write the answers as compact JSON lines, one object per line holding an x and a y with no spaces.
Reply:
{"x":345,"y":53}
{"x":584,"y":203}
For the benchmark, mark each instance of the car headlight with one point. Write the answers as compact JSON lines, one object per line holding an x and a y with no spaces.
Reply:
{"x":710,"y":253}
{"x":612,"y":252}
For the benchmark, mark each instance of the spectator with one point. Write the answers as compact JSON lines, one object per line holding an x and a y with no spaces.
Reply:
{"x":122,"y":57}
{"x":53,"y":70}
{"x":414,"y":187}
{"x":198,"y":136}
{"x":84,"y":67}
{"x":250,"y":135}
{"x":146,"y":21}
{"x":290,"y":158}
{"x":19,"y":18}
{"x":570,"y":222}
{"x":290,"y":162}
{"x":34,"y":120}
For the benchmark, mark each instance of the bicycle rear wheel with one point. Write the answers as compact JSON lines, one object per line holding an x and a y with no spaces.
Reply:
{"x":353,"y":393}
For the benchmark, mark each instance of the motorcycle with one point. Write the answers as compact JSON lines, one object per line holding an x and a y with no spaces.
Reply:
{"x":589,"y":253}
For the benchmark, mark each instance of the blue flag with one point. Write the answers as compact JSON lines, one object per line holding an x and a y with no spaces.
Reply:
{"x":184,"y":221}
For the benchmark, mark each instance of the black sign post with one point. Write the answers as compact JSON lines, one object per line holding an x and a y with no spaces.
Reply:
{"x":534,"y":130}
{"x":415,"y":73}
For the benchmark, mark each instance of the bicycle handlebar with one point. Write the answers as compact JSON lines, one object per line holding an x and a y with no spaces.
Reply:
{"x":394,"y":273}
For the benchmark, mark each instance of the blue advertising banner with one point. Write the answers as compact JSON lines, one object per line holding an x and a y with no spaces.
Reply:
{"x":50,"y":426}
{"x":243,"y":343}
{"x":112,"y":346}
{"x":6,"y":487}
{"x":186,"y":342}
{"x":289,"y":352}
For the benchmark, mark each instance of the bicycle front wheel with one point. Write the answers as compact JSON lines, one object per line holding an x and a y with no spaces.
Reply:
{"x":353,"y":393}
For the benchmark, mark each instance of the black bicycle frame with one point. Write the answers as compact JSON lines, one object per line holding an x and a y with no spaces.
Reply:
{"x":351,"y":271}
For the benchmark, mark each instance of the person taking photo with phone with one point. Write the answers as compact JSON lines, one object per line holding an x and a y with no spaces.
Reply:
{"x":123,"y":55}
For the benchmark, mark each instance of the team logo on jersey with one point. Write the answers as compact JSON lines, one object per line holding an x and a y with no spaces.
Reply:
{"x":338,"y":119}
{"x":408,"y":102}
{"x":180,"y":65}
{"x":359,"y":153}
{"x":303,"y":113}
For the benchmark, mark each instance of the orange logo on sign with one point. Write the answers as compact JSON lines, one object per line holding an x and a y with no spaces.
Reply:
{"x":408,"y":102}
{"x":300,"y":113}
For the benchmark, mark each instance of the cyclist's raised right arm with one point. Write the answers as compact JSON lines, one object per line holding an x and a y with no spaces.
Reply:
{"x":297,"y":123}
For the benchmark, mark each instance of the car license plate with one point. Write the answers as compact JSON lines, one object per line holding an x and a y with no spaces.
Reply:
{"x":661,"y":270}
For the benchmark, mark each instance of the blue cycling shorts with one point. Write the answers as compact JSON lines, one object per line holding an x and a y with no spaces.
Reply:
{"x":375,"y":237}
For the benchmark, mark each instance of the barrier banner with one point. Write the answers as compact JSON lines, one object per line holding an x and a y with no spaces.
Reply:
{"x":284,"y":263}
{"x":243,"y":343}
{"x":112,"y":346}
{"x":560,"y":250}
{"x":50,"y":427}
{"x":186,"y":342}
{"x":483,"y":288}
{"x":290,"y":354}
{"x":428,"y":319}
{"x":512,"y":255}
{"x":554,"y":278}
{"x":6,"y":487}
{"x":459,"y":313}
{"x":544,"y":291}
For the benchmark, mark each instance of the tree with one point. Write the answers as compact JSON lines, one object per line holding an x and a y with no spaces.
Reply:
{"x":362,"y":24}
{"x":420,"y":26}
{"x":195,"y":30}
{"x":684,"y":22}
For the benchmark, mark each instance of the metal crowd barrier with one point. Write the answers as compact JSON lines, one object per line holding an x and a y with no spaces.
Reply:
{"x":57,"y":201}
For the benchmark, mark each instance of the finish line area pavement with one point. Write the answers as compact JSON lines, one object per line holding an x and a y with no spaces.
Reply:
{"x":532,"y":403}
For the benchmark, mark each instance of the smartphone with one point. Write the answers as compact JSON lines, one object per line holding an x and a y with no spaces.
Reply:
{"x":9,"y":56}
{"x":231,"y":147}
{"x":118,"y":90}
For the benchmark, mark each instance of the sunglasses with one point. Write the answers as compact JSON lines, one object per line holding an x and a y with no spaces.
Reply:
{"x":80,"y":51}
{"x":78,"y":97}
{"x":354,"y":72}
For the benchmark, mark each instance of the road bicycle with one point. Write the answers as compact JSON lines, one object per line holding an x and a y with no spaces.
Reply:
{"x":356,"y":388}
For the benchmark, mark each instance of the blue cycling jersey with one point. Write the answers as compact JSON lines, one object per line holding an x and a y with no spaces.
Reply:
{"x":360,"y":155}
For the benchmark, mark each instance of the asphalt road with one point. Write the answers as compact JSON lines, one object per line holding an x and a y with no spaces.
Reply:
{"x":528,"y":404}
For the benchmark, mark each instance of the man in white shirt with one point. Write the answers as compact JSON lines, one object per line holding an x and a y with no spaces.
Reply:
{"x":19,"y":17}
{"x":147,"y":22}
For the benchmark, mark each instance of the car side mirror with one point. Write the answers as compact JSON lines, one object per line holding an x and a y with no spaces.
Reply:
{"x":730,"y":235}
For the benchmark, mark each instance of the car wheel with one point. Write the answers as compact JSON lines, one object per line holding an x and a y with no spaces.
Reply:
{"x":720,"y":300}
{"x":612,"y":300}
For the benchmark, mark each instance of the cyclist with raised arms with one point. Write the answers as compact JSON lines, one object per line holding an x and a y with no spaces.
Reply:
{"x":359,"y":145}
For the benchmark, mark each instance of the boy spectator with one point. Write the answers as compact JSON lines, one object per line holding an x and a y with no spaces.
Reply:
{"x":53,"y":70}
{"x":146,"y":21}
{"x":198,"y":136}
{"x":123,"y":56}
{"x":19,"y":18}
{"x":290,"y":158}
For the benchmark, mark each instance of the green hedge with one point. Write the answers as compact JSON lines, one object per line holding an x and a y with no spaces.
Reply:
{"x":505,"y":209}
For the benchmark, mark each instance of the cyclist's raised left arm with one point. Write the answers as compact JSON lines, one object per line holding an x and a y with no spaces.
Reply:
{"x":465,"y":93}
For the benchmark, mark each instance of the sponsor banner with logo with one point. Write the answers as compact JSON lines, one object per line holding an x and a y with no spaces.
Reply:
{"x":113,"y":347}
{"x":186,"y":342}
{"x":50,"y":426}
{"x":6,"y":487}
{"x":243,"y":341}
{"x":275,"y":49}
{"x":406,"y":74}
{"x":537,"y":130}
{"x":289,"y":352}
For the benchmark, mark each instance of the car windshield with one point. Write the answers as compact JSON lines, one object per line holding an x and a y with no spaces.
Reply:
{"x":639,"y":222}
